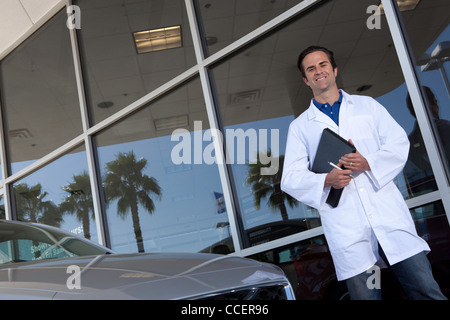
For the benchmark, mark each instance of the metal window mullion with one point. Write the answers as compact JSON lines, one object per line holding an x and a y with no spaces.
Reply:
{"x":6,"y":190}
{"x":280,"y":242}
{"x":41,"y":162}
{"x":78,"y":75}
{"x":423,"y":199}
{"x":100,"y":217}
{"x":100,"y":221}
{"x":413,"y":85}
{"x":221,"y":163}
{"x":214,"y":126}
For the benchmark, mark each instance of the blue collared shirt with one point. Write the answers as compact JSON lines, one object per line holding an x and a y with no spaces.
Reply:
{"x":331,"y":111}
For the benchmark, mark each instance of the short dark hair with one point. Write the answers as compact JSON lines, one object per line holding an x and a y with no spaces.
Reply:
{"x":429,"y":94}
{"x":312,"y":49}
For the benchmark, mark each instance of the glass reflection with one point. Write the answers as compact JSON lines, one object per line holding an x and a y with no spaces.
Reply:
{"x":267,"y":212}
{"x":23,"y":242}
{"x":417,"y":177}
{"x":162,"y":192}
{"x":430,"y":44}
{"x":117,"y":73}
{"x":309,"y":267}
{"x":260,"y":91}
{"x":39,"y":94}
{"x":227,"y":21}
{"x":418,"y":172}
{"x":125,"y":182}
{"x":62,"y":200}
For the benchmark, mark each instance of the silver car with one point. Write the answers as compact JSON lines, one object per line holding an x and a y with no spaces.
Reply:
{"x":43,"y":262}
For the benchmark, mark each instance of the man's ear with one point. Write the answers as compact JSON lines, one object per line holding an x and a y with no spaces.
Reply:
{"x":306,"y":81}
{"x":335,"y":72}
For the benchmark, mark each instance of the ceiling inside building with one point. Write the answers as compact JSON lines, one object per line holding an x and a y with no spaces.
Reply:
{"x":259,"y":82}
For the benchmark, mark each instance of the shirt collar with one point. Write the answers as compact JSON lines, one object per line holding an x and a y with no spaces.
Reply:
{"x":322,"y":105}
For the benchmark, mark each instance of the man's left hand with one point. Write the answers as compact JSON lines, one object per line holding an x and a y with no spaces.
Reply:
{"x":354,"y":161}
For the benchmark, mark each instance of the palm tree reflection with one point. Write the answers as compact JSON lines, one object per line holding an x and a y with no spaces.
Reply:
{"x":126,"y":182}
{"x":268,"y":186}
{"x":31,"y":205}
{"x":79,"y":201}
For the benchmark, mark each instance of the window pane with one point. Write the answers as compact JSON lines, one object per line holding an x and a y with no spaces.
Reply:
{"x":116,"y":74}
{"x":430,"y":44}
{"x":163,"y":193}
{"x":227,"y":21}
{"x":309,"y":268}
{"x":417,"y":177}
{"x":39,"y":94}
{"x":59,"y":194}
{"x":259,"y":91}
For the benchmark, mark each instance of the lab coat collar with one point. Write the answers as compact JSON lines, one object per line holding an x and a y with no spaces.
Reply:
{"x":315,"y":114}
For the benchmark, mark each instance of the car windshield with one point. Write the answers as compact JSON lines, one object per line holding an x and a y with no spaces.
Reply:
{"x":27,"y":242}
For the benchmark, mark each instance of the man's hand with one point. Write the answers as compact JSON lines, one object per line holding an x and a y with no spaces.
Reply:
{"x":338,"y":178}
{"x":354,"y":161}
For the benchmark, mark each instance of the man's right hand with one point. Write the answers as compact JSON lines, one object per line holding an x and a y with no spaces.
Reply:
{"x":338,"y":178}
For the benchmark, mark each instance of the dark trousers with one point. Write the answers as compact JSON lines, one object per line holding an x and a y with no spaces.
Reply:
{"x":414,"y":275}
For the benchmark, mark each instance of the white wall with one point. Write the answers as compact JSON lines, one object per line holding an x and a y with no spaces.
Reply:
{"x":20,"y":18}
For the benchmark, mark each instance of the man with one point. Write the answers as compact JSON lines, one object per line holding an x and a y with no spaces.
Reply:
{"x":371,"y":219}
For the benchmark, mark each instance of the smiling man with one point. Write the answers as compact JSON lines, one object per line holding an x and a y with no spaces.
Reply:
{"x":372,"y":220}
{"x":320,"y":75}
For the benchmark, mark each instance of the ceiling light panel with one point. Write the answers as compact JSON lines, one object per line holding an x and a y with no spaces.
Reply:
{"x":158,"y":39}
{"x":404,"y":5}
{"x":173,"y":122}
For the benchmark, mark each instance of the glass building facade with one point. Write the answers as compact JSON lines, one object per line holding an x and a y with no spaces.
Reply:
{"x":151,"y":125}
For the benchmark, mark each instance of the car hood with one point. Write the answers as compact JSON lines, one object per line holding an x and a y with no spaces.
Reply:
{"x":134,"y":276}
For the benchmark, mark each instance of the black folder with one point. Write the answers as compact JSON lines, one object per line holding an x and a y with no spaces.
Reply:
{"x":331,"y":148}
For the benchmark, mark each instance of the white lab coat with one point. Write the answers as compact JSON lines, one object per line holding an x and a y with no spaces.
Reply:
{"x":371,"y":208}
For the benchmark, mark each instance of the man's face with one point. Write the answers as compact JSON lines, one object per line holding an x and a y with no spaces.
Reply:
{"x":320,"y":75}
